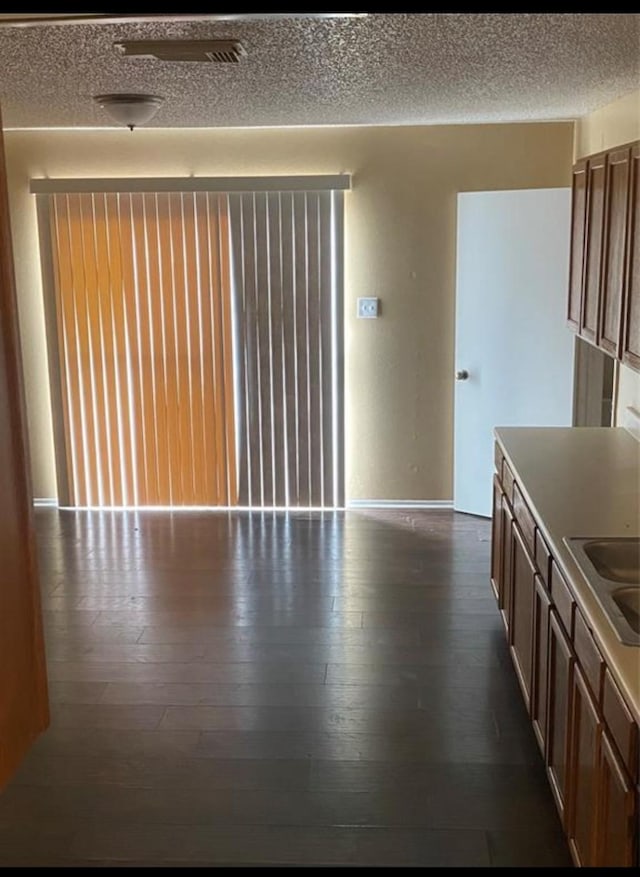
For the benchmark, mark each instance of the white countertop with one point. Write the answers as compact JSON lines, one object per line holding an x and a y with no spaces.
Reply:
{"x":582,"y":481}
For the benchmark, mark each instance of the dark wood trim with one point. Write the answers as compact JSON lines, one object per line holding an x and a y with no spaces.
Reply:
{"x":27,"y":714}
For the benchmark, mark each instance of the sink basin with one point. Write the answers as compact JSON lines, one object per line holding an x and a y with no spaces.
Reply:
{"x":611,"y":566}
{"x":628,"y":601}
{"x":615,"y":559}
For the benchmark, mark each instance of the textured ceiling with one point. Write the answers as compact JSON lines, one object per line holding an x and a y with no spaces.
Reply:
{"x":397,"y":69}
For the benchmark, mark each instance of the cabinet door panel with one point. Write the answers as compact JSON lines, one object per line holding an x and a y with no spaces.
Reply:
{"x":507,"y":563}
{"x":539,"y":687}
{"x":631,"y":346}
{"x":593,"y":248}
{"x":497,"y":542}
{"x":521,"y":639}
{"x":585,"y":733}
{"x":617,"y":821}
{"x":578,"y":220}
{"x":560,"y":675}
{"x":614,"y":254}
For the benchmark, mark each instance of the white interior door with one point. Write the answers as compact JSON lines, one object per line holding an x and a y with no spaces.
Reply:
{"x":511,"y":333}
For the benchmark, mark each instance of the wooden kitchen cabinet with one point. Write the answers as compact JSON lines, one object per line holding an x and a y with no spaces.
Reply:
{"x":604,"y":266}
{"x":521,"y":626}
{"x":617,"y":814}
{"x":614,"y":251}
{"x":585,"y":733}
{"x":561,"y":660}
{"x":594,"y":228}
{"x":578,"y":225}
{"x":631,"y":343}
{"x":539,"y":676}
{"x":582,"y":723}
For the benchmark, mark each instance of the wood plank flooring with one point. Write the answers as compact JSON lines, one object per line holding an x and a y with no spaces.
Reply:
{"x":242,"y":689}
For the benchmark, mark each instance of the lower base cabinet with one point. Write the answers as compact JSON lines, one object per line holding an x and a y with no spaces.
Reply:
{"x":586,"y":733}
{"x":617,"y":819}
{"x":586,"y":730}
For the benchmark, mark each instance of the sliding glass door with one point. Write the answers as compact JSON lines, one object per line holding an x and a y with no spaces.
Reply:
{"x":197,"y":350}
{"x":289,"y":354}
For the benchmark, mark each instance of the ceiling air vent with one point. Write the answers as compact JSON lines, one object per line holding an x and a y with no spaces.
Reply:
{"x":219,"y":51}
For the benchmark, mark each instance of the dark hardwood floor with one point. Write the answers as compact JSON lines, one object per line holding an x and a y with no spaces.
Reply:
{"x":277,"y":689}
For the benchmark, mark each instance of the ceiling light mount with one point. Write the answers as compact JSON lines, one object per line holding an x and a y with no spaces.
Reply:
{"x":130,"y":109}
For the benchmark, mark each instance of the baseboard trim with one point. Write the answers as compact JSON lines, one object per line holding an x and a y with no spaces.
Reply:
{"x":440,"y":504}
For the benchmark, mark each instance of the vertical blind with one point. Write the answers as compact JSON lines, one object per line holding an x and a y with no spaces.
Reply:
{"x":142,"y":284}
{"x":199,"y":347}
{"x":289,"y":417}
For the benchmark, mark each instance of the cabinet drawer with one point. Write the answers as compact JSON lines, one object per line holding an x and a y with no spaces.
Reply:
{"x":620,"y":723}
{"x":588,"y":655}
{"x":562,"y":599}
{"x":543,"y":558}
{"x":524,"y":518}
{"x":507,"y":480}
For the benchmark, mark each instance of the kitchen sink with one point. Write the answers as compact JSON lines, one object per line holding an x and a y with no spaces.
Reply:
{"x":611,"y":566}
{"x":628,"y":601}
{"x":615,"y":559}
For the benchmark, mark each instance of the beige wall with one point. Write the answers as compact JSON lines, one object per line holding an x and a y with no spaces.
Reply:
{"x":612,"y":125}
{"x":400,"y":245}
{"x":609,"y":126}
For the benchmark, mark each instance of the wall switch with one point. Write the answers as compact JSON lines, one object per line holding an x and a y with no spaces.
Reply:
{"x":368,"y":308}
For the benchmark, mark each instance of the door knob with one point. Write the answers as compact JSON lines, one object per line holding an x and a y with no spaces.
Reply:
{"x":462,"y":375}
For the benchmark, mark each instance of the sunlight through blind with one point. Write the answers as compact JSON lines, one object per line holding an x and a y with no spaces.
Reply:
{"x":143,"y":308}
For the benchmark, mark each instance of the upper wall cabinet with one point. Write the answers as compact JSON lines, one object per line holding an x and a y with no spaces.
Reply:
{"x":615,"y":242}
{"x":604,"y":279}
{"x":631,"y":345}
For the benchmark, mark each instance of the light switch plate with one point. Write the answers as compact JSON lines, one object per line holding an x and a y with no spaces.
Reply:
{"x":368,"y":308}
